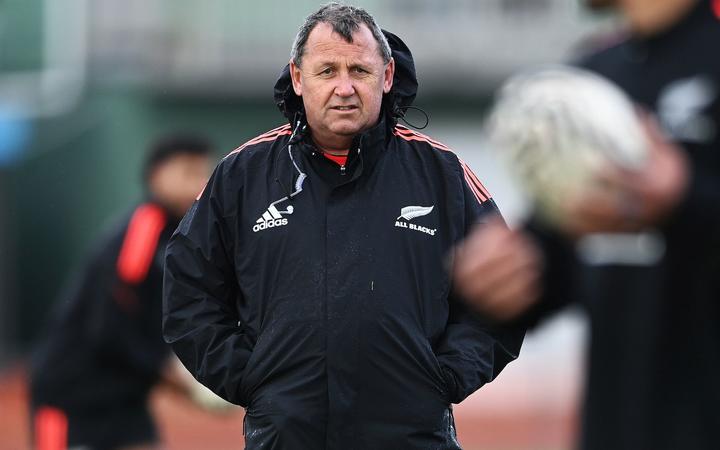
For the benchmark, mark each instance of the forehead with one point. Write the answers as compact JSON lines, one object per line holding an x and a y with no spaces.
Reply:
{"x":325,"y":44}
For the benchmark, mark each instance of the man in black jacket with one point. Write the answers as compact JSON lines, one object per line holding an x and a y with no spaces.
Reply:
{"x":307,"y":283}
{"x":92,"y":374}
{"x":654,"y":299}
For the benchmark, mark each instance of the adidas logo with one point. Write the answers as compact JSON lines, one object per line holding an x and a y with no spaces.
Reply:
{"x":272,"y":218}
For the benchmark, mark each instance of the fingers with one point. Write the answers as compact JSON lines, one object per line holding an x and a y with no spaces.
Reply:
{"x":657,"y":138}
{"x":509,"y":298}
{"x":620,"y":199}
{"x":497,"y":271}
{"x":600,"y":210}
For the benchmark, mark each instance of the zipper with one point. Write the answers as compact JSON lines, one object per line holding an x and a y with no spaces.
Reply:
{"x":342,"y":167}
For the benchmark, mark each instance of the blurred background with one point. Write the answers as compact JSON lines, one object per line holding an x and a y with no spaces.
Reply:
{"x":85,"y":85}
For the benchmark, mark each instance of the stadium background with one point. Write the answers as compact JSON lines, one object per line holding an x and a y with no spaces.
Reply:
{"x":84,"y":85}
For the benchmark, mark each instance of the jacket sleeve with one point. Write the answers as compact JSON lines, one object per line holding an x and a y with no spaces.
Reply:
{"x":472,"y":352}
{"x":123,"y":314}
{"x":123,"y":334}
{"x":200,"y":289}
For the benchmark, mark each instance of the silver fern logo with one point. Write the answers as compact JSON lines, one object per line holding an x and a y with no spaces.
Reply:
{"x":409,"y":213}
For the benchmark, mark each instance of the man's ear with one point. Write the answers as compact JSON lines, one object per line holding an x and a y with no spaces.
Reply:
{"x":389,"y":74}
{"x":296,"y":79}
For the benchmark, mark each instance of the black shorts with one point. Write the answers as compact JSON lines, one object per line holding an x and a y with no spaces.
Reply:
{"x":55,"y":428}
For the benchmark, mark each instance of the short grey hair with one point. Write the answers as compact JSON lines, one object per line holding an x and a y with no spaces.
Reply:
{"x":345,"y":20}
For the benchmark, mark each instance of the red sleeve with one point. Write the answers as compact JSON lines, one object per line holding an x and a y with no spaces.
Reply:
{"x":141,"y":240}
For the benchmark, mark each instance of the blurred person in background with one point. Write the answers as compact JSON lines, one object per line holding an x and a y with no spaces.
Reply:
{"x":654,"y":361}
{"x":93,"y":371}
{"x":308,"y":282}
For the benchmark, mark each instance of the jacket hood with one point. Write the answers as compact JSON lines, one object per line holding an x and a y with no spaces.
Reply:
{"x":402,"y":94}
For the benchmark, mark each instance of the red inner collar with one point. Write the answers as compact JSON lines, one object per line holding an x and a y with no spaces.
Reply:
{"x":338,"y":159}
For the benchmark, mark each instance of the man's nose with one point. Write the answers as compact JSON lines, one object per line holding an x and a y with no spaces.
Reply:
{"x":344,"y":87}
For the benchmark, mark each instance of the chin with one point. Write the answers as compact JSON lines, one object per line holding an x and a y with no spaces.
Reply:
{"x":347,"y":130}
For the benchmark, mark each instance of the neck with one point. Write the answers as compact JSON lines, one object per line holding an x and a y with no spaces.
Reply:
{"x":175,"y":212}
{"x":337,"y":147}
{"x":650,"y":17}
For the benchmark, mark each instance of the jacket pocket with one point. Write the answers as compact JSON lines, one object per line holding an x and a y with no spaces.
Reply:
{"x":245,"y":387}
{"x":437,"y":372}
{"x":248,"y":382}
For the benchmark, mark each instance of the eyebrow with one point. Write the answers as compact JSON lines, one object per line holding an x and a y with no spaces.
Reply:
{"x":326,"y":63}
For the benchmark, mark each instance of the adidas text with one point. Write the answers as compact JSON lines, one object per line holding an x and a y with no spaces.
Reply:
{"x":269,"y":224}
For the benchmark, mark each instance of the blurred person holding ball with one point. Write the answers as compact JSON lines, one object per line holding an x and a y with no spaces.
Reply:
{"x":638,"y":247}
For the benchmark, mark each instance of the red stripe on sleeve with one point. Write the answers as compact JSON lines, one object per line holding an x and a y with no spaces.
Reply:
{"x":473,"y":182}
{"x":202,"y":191}
{"x":480,"y":198}
{"x":267,"y":137}
{"x":476,"y":181}
{"x":283,"y":130}
{"x":141,"y":239}
{"x":407,"y":133}
{"x":51,"y":427}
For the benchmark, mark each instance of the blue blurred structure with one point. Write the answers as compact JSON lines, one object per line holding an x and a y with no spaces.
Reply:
{"x":15,"y":134}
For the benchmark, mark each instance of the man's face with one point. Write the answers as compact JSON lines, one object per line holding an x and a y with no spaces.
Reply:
{"x":176,"y":181}
{"x":341,"y":84}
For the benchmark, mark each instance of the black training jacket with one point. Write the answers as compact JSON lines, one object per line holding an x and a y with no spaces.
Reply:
{"x":331,"y":316}
{"x":654,"y":361}
{"x":104,"y":349}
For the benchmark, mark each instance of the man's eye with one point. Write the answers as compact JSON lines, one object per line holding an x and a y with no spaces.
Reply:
{"x":327,"y":71}
{"x":360,"y":70}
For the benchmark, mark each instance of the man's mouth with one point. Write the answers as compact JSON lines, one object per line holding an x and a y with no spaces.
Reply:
{"x":344,"y":108}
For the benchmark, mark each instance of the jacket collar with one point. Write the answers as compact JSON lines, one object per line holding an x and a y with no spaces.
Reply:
{"x":364,"y":151}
